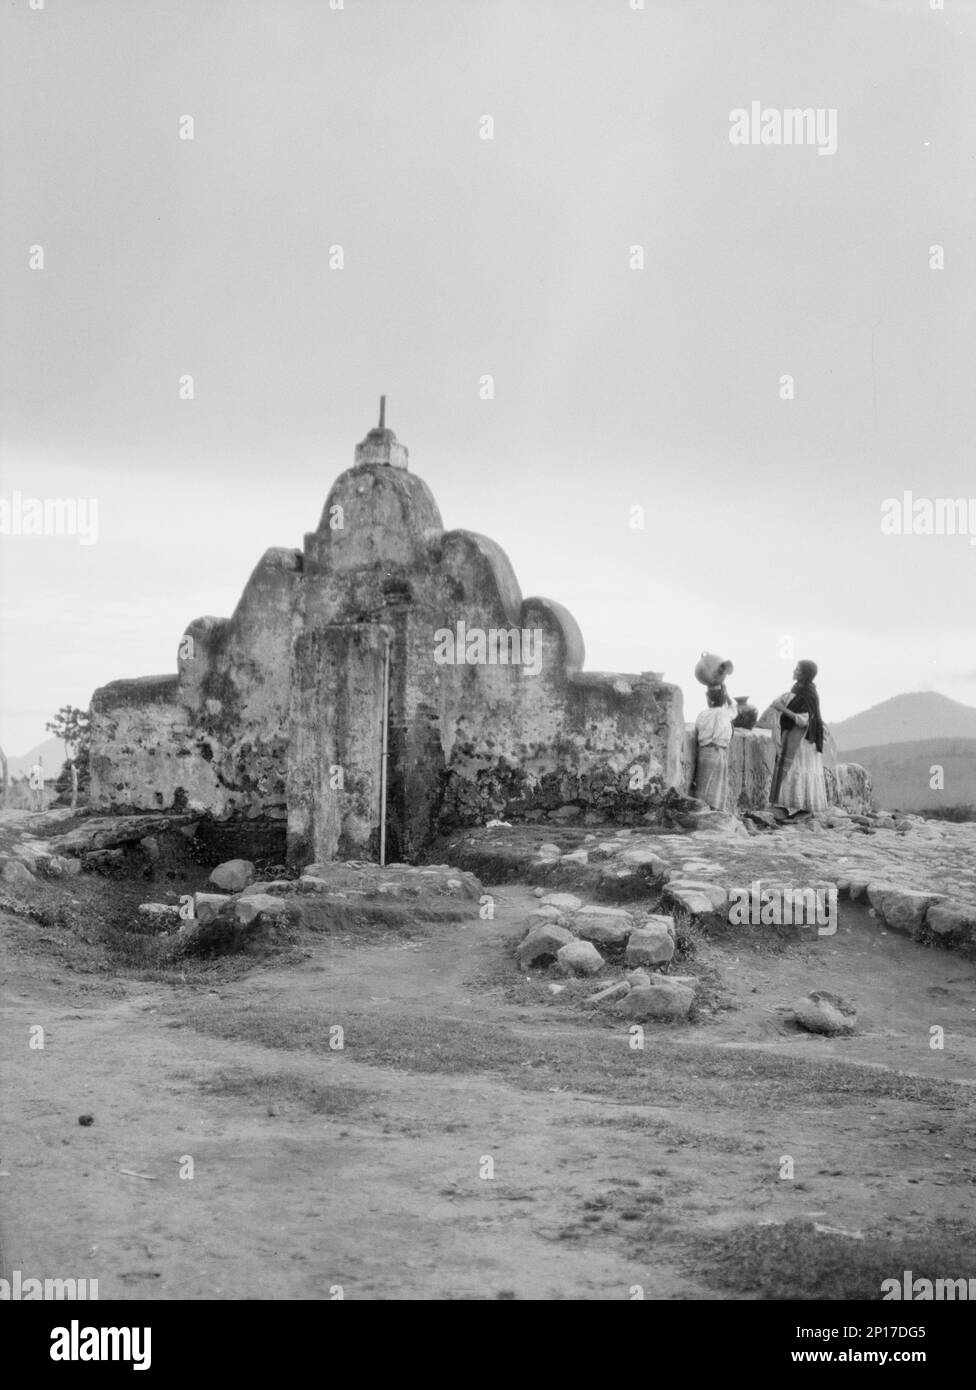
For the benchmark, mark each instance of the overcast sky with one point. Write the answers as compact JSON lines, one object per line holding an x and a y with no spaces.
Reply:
{"x":463,"y":256}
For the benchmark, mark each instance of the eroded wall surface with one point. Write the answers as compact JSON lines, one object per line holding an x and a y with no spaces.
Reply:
{"x":276,"y":714}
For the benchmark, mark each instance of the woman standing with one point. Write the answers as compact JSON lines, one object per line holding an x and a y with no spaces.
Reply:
{"x":798,"y":778}
{"x":714,"y":730}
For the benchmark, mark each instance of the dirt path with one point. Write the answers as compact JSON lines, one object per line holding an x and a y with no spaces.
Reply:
{"x":317,"y":1169}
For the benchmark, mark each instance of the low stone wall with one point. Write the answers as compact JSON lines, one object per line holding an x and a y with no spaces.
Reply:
{"x":752,"y":760}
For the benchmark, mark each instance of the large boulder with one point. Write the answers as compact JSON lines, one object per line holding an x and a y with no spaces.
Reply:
{"x":246,"y":909}
{"x":822,"y":1012}
{"x":233,"y":875}
{"x":579,"y":958}
{"x":62,"y":866}
{"x":542,"y":915}
{"x":691,"y":890}
{"x":608,"y":926}
{"x":952,"y":919}
{"x":16,"y":874}
{"x":851,"y":788}
{"x":662,"y":999}
{"x":542,"y":945}
{"x":901,"y":909}
{"x":643,"y":859}
{"x":651,"y":944}
{"x":207,"y":906}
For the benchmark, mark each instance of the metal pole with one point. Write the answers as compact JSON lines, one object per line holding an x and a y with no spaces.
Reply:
{"x":385,"y":754}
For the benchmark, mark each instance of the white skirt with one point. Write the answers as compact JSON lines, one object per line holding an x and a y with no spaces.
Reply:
{"x":798,"y":782}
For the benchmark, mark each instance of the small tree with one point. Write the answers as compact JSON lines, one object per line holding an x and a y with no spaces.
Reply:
{"x":73,"y":726}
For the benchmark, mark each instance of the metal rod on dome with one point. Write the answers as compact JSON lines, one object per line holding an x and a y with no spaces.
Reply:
{"x":382,"y":412}
{"x":384,"y":757}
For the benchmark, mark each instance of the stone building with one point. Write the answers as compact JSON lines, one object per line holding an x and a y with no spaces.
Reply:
{"x":388,"y":662}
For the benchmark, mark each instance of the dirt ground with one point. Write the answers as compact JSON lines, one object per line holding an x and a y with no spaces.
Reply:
{"x":363,"y":1172}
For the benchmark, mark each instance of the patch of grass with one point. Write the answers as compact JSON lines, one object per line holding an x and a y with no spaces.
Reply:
{"x":274,"y":1089}
{"x":796,"y":1261}
{"x":113,"y":941}
{"x":588,"y":1061}
{"x":665,"y":1132}
{"x":368,"y":920}
{"x":621,"y":1210}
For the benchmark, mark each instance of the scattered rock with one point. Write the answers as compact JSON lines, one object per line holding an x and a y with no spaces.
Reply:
{"x":565,"y":902}
{"x":254,"y":888}
{"x":550,"y":851}
{"x":822,"y":1012}
{"x":695,"y":901}
{"x":638,"y":979}
{"x":651,"y":944}
{"x":579,"y":958}
{"x":605,"y":850}
{"x":716,"y":895}
{"x":247,"y":909}
{"x":604,"y":996}
{"x":662,"y":999}
{"x":643,"y":859}
{"x":233,"y":875}
{"x":565,"y":814}
{"x":207,"y":906}
{"x":60,"y":866}
{"x":17,"y":874}
{"x":86,"y":1120}
{"x":610,"y":926}
{"x":159,"y":910}
{"x":541,"y":915}
{"x":542,"y":942}
{"x":902,"y":909}
{"x":103,"y":861}
{"x":578,"y":856}
{"x":952,"y":919}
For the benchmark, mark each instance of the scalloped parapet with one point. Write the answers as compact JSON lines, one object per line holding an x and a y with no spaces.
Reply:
{"x":275,"y":716}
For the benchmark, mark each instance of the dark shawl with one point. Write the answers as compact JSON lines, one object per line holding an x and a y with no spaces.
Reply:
{"x":806,"y":701}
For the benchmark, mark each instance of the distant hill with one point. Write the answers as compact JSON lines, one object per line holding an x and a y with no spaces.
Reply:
{"x":906,"y":719}
{"x":51,"y":750}
{"x":901,"y":772}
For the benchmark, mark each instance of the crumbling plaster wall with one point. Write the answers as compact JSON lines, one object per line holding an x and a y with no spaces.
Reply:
{"x":214,"y":736}
{"x":268,"y":704}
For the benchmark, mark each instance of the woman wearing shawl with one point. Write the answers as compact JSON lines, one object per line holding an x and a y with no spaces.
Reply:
{"x":798,"y":778}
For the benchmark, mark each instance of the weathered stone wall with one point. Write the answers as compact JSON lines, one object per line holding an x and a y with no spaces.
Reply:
{"x":752,"y":760}
{"x":214,"y":737}
{"x":275,"y":714}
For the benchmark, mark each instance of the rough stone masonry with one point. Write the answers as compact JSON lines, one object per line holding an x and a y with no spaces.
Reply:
{"x":272,"y":728}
